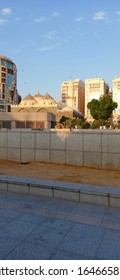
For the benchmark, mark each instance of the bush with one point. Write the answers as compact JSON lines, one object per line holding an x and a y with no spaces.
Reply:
{"x":63,"y":119}
{"x":79,"y":122}
{"x":107,"y":124}
{"x":118,"y":126}
{"x":96,"y":124}
{"x":85,"y":125}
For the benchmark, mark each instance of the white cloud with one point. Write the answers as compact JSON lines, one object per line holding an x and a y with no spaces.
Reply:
{"x":78,"y":19}
{"x":39,"y":20}
{"x":101,"y":15}
{"x":55,"y":14}
{"x":17,"y":18}
{"x":42,"y":19}
{"x":44,"y":49}
{"x":32,"y":42}
{"x":2,"y":21}
{"x":118,"y":13}
{"x":6,"y":12}
{"x":50,"y":35}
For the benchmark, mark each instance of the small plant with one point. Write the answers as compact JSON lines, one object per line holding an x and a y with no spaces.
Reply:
{"x":118,"y":126}
{"x":59,"y":125}
{"x":107,"y":124}
{"x":96,"y":124}
{"x":85,"y":125}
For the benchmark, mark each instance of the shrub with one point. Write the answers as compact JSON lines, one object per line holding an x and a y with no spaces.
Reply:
{"x":85,"y":125}
{"x":118,"y":125}
{"x":96,"y":124}
{"x":107,"y":124}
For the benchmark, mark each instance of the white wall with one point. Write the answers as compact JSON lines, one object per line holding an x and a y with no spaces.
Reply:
{"x":92,"y":148}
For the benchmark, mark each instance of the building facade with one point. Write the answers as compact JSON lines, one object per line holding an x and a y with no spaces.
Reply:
{"x":45,"y":103}
{"x":27,"y":120}
{"x":94,"y":88}
{"x":38,"y":103}
{"x":73,"y":94}
{"x":116,"y":97}
{"x":8,"y":84}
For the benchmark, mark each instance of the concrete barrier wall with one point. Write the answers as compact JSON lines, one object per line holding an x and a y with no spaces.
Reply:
{"x":92,"y":148}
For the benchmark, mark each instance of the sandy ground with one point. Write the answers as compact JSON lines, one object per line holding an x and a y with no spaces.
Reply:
{"x":61,"y":173}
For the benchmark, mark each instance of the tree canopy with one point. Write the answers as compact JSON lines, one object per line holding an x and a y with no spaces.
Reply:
{"x":102,"y":109}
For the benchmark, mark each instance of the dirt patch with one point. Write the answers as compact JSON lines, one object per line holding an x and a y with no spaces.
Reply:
{"x":60,"y":172}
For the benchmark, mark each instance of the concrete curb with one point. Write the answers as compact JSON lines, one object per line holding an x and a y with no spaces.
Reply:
{"x":106,"y":196}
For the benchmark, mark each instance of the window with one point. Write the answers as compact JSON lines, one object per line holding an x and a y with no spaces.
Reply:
{"x":3,"y":80}
{"x":10,"y":71}
{"x":9,"y":65}
{"x":3,"y":69}
{"x":2,"y":62}
{"x":3,"y":89}
{"x":3,"y":75}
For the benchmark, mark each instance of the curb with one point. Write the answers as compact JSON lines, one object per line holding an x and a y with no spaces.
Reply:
{"x":100,"y":195}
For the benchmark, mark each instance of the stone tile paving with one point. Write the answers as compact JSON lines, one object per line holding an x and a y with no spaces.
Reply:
{"x":53,"y":229}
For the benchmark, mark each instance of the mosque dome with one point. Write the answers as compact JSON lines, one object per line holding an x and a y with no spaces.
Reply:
{"x":48,"y":97}
{"x":38,"y":97}
{"x":75,"y":111}
{"x":67,"y":108}
{"x":28,"y":101}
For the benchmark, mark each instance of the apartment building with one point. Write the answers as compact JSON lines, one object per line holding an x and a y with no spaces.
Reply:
{"x":94,"y":88}
{"x":8,"y":84}
{"x":73,"y":94}
{"x":116,"y":97}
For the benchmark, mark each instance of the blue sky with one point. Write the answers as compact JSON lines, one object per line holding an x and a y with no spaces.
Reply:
{"x":51,"y":41}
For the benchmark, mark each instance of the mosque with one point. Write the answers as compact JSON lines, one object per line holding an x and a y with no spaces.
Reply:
{"x":37,"y":112}
{"x":45,"y":103}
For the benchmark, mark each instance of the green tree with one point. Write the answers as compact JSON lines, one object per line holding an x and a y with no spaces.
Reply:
{"x":70,"y":122}
{"x":94,"y":107}
{"x":102,"y":109}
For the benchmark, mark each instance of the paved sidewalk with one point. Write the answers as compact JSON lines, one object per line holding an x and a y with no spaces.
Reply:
{"x":42,"y":228}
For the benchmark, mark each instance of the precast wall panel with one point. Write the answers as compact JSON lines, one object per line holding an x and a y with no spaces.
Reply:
{"x":92,"y":148}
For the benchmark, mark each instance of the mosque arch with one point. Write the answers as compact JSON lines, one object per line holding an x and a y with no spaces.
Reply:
{"x":23,"y":110}
{"x":42,"y":110}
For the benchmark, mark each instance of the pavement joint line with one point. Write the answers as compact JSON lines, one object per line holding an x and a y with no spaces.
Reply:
{"x":82,"y":219}
{"x":101,"y":248}
{"x":85,"y":193}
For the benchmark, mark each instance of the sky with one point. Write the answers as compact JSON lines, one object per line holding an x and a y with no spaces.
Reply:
{"x":52,"y":41}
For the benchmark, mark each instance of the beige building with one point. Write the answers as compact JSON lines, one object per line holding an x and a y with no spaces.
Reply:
{"x":32,"y":112}
{"x":45,"y":103}
{"x":73,"y":94}
{"x":8,"y":84}
{"x":94,"y":88}
{"x":33,"y":120}
{"x":38,"y":103}
{"x":116,"y":97}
